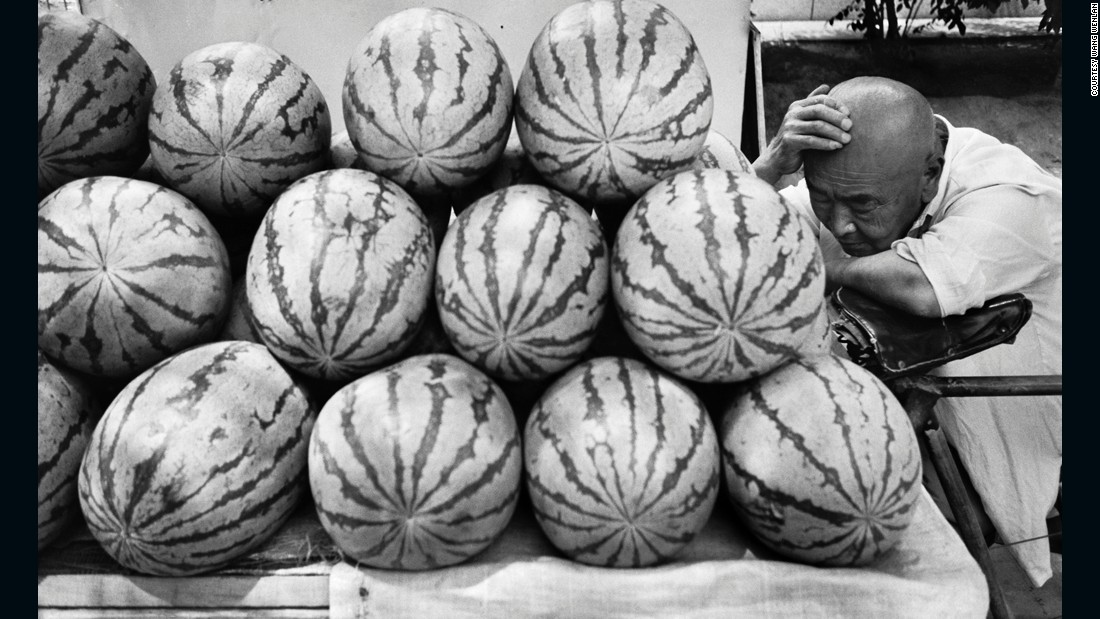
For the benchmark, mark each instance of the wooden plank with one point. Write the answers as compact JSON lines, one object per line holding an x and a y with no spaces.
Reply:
{"x":183,"y":613}
{"x":220,"y":591}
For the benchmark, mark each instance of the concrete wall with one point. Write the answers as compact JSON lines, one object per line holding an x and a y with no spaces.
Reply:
{"x":802,"y":10}
{"x":320,"y":35}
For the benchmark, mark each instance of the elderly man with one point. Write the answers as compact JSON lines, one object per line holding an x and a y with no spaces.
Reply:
{"x":934,"y":220}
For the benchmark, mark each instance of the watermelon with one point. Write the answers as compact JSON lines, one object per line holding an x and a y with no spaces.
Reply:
{"x":340,"y":273}
{"x":67,"y":412}
{"x":720,"y":152}
{"x":715,"y":277}
{"x":128,"y":273}
{"x":94,"y":95}
{"x":235,"y":125}
{"x":428,"y":100}
{"x":416,"y":466}
{"x":521,"y":282}
{"x":197,"y":461}
{"x":821,"y":462}
{"x":614,"y":97}
{"x":621,"y":462}
{"x":342,"y":153}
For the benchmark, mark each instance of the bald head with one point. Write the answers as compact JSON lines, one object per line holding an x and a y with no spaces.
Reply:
{"x":869,"y":192}
{"x":892,"y":124}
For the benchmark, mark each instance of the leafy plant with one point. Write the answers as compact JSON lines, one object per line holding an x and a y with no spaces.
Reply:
{"x":879,"y":18}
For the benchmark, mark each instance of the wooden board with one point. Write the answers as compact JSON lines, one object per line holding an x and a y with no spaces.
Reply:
{"x":288,"y":573}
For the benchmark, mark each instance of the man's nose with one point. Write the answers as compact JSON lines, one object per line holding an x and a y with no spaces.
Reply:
{"x":840,"y":222}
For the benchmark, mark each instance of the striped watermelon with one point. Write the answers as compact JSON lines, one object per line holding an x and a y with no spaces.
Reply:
{"x":521,"y":282}
{"x":235,"y":125}
{"x":416,"y":466}
{"x":128,"y":273}
{"x":614,"y":97}
{"x":821,"y":462}
{"x":67,"y":412}
{"x":622,"y":463}
{"x":428,"y":100}
{"x":720,"y":152}
{"x":342,"y":153}
{"x":716,"y":277}
{"x":340,"y":273}
{"x":197,"y":461}
{"x":94,"y":94}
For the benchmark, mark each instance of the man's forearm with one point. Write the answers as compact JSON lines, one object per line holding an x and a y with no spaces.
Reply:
{"x":887,"y":278}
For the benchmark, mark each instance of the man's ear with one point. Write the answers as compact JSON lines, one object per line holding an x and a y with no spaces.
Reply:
{"x":930,"y":181}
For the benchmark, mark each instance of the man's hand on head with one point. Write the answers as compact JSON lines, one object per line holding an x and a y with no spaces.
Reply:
{"x":818,"y":122}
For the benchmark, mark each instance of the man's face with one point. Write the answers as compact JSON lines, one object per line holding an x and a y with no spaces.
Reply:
{"x":866,"y":205}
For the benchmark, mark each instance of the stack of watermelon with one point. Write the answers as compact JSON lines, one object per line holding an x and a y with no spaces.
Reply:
{"x":271,"y":312}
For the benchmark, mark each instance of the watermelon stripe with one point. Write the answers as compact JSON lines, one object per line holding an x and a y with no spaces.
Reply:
{"x":507,"y":503}
{"x":61,"y":73}
{"x":683,"y":464}
{"x":390,"y":298}
{"x":493,"y":468}
{"x":75,"y":430}
{"x":176,"y":311}
{"x":777,"y":497}
{"x":141,"y":326}
{"x":571,"y":472}
{"x":830,"y":475}
{"x":647,"y":44}
{"x":231,"y":496}
{"x":562,"y":502}
{"x":439,"y":395}
{"x":182,"y":109}
{"x":562,"y":120}
{"x":239,"y":136}
{"x":594,"y":73}
{"x":348,"y":489}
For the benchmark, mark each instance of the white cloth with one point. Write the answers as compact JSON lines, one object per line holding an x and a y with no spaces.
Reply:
{"x":996,"y":228}
{"x":721,"y":573}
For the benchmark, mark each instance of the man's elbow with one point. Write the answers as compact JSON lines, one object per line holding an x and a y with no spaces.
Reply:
{"x":923,"y":303}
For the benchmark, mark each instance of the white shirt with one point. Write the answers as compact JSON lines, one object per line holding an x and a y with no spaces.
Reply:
{"x":996,"y":228}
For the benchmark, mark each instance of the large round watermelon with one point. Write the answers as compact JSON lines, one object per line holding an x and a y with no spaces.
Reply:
{"x":428,"y":100}
{"x":236,"y":124}
{"x":197,"y":461}
{"x":128,"y":273}
{"x":821,"y":461}
{"x":716,"y":277}
{"x":614,"y":97}
{"x":94,"y":94}
{"x":521,"y":282}
{"x":416,"y":466}
{"x":340,"y":273}
{"x":67,"y":412}
{"x":621,"y":463}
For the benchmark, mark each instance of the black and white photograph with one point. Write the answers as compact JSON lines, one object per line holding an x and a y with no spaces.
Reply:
{"x":580,"y":309}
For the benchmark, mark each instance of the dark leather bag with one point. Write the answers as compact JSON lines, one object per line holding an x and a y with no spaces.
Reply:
{"x":892,"y":343}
